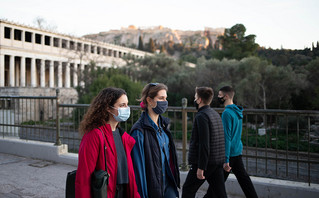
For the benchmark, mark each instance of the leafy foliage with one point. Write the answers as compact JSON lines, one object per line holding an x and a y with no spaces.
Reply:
{"x":236,"y":45}
{"x":284,"y":57}
{"x":258,"y":84}
{"x":97,"y":78}
{"x":151,"y":46}
{"x":140,"y":43}
{"x":308,"y":98}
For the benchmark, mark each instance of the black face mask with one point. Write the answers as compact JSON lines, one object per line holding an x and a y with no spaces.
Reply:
{"x":195,"y":104}
{"x":221,"y":100}
{"x":160,"y":107}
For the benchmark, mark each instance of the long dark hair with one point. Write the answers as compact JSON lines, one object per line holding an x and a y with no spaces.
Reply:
{"x":97,"y":114}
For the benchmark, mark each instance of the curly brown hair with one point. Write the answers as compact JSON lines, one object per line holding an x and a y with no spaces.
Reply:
{"x":97,"y":114}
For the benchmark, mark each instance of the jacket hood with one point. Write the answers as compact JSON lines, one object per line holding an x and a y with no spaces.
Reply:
{"x":238,"y":110}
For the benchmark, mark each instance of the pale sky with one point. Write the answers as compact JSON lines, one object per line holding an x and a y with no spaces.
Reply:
{"x":291,"y":24}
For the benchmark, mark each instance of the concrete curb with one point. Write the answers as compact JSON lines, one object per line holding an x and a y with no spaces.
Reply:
{"x":39,"y":150}
{"x":265,"y":187}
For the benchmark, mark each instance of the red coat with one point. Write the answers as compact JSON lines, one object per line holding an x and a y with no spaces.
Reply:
{"x":91,"y":157}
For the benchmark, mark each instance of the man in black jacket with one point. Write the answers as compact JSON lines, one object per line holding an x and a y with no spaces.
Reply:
{"x":207,"y":147}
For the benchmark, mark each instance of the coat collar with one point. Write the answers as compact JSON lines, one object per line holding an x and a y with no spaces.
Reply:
{"x":145,"y":121}
{"x":203,"y":107}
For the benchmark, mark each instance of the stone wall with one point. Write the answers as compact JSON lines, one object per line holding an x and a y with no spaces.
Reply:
{"x":35,"y":109}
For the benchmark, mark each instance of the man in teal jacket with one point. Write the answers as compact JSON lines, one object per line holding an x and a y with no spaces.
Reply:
{"x":232,"y":118}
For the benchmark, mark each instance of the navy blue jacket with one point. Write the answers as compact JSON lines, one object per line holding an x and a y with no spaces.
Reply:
{"x":152,"y":157}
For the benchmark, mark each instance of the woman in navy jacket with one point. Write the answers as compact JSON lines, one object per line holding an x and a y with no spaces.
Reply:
{"x":154,"y":155}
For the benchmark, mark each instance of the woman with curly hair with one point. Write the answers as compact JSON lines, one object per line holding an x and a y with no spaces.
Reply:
{"x":154,"y":154}
{"x":107,"y":109}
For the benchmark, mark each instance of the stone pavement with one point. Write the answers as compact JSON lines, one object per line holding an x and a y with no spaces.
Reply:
{"x":22,"y":177}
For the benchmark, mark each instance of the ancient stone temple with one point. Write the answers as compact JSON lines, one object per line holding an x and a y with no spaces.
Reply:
{"x":35,"y":61}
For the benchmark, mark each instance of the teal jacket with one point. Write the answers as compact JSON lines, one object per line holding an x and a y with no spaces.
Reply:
{"x":232,"y":118}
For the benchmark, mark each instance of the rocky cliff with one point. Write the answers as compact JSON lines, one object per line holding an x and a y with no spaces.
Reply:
{"x":129,"y":36}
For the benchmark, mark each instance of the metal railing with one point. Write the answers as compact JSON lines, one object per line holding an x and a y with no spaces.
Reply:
{"x":279,"y":144}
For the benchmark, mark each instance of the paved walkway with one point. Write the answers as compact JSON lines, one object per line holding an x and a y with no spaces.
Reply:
{"x":22,"y":177}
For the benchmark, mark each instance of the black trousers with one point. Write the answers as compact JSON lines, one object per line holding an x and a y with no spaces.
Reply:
{"x":242,"y":176}
{"x":214,"y":176}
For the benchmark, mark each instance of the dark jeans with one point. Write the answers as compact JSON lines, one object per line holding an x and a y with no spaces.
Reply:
{"x":170,"y":192}
{"x":214,"y":176}
{"x":238,"y":168}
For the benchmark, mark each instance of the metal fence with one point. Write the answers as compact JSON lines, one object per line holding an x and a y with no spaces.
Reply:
{"x":280,"y":144}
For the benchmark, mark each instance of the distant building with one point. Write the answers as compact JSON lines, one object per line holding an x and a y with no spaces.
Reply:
{"x":37,"y":58}
{"x":37,"y":62}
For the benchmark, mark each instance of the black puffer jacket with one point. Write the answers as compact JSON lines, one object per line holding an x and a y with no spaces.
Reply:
{"x":207,"y":144}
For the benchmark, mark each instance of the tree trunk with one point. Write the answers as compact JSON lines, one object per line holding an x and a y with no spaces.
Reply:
{"x":265,"y":105}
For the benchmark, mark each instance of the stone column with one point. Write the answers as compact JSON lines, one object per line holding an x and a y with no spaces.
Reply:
{"x":42,"y":73}
{"x":1,"y":70}
{"x":59,"y":74}
{"x":51,"y":80}
{"x":33,"y":37}
{"x":60,"y":43}
{"x":22,"y":36}
{"x":42,"y":39}
{"x":12,"y":72}
{"x":67,"y":75}
{"x":33,"y":73}
{"x":12,"y":34}
{"x":75,"y":75}
{"x":22,"y":72}
{"x":82,"y":75}
{"x":17,"y":73}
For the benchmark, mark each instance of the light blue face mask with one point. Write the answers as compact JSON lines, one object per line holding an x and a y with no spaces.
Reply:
{"x":123,"y":114}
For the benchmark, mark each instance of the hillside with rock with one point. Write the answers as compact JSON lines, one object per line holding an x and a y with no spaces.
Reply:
{"x":130,"y":36}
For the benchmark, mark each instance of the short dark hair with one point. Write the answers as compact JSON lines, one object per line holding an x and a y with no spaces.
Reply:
{"x":205,"y":93}
{"x":228,"y":90}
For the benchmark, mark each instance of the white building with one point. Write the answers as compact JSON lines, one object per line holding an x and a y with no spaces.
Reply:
{"x":37,"y":58}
